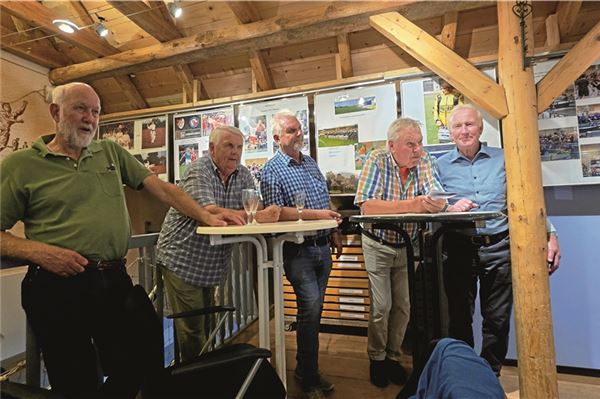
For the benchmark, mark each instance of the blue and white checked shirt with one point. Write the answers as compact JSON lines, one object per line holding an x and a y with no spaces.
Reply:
{"x":189,"y":255}
{"x":282,"y":176}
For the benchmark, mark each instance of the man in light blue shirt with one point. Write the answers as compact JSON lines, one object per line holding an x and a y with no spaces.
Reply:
{"x":476,"y":172}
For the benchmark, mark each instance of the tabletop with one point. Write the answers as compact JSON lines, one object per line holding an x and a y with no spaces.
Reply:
{"x":268,"y":228}
{"x":428,"y":217}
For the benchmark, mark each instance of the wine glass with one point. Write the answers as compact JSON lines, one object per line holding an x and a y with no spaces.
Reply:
{"x":255,"y":204}
{"x":299,"y":198}
{"x":248,"y":200}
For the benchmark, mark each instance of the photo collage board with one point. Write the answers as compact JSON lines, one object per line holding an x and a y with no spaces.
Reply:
{"x":255,"y":121}
{"x":349,"y":125}
{"x":431,"y":100}
{"x":146,"y":139}
{"x":569,"y":130}
{"x":191,"y":133}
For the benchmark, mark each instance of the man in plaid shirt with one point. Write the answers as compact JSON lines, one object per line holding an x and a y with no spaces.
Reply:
{"x":306,"y":265}
{"x":393,"y":180}
{"x":192,"y":268}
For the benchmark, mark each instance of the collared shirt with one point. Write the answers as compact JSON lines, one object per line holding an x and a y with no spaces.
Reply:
{"x":77,"y":204}
{"x":380,"y":179}
{"x":482,"y":180}
{"x":189,"y":255}
{"x":282,"y":176}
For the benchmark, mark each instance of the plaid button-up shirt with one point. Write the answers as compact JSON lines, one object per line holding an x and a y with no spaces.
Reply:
{"x":282,"y":176}
{"x":189,"y":255}
{"x":380,"y":179}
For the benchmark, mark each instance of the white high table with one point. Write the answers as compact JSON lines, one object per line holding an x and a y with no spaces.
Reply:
{"x":292,"y":231}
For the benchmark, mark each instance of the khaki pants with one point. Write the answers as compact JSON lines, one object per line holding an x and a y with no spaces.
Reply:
{"x":390,"y":304}
{"x":191,"y":331}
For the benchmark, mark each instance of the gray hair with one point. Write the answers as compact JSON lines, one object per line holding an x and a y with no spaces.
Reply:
{"x":219,"y":130}
{"x":278,"y":119}
{"x":59,"y":92}
{"x":462,"y":107}
{"x":401,"y":124}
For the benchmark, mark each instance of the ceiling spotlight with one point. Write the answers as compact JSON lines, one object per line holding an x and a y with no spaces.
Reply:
{"x":175,"y":9}
{"x":65,"y":25}
{"x":100,"y":28}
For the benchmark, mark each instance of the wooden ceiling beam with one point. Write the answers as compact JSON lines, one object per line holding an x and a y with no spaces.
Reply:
{"x":261,"y":72}
{"x":451,"y":67}
{"x":448,"y":35}
{"x":567,"y":15}
{"x":131,"y":92}
{"x":36,"y":14}
{"x":149,"y":19}
{"x":314,"y":23}
{"x":552,"y":31}
{"x":345,"y":56}
{"x":35,"y":51}
{"x":186,"y":77}
{"x":245,"y":11}
{"x":569,"y":68}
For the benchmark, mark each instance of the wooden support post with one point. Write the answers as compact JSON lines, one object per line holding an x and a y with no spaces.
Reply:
{"x":527,"y":215}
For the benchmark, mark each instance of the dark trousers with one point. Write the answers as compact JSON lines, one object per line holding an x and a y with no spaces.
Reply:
{"x":78,"y":320}
{"x":465,"y":264}
{"x":308,"y":268}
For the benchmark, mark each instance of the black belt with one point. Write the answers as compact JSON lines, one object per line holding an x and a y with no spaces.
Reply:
{"x":314,"y":242}
{"x":381,"y":240}
{"x":106,"y":264}
{"x":487,"y":240}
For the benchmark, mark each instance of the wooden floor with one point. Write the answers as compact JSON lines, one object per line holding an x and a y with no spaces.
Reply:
{"x":343,"y":360}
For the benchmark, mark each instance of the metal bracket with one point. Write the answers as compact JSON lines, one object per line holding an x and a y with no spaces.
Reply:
{"x":522,"y":9}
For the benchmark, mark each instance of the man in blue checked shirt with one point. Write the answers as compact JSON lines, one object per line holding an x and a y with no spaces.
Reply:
{"x":476,"y":172}
{"x":306,"y":265}
{"x":192,"y":268}
{"x":393,"y":180}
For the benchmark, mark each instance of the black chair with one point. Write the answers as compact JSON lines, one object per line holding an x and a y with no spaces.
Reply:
{"x":232,"y":371}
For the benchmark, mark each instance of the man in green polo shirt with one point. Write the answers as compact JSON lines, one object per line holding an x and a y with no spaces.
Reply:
{"x":68,"y":191}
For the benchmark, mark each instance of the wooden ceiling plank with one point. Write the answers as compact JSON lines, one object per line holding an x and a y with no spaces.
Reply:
{"x":569,"y":68}
{"x":552,"y":31}
{"x":309,"y":25}
{"x":35,"y":13}
{"x":186,"y":77}
{"x":451,"y":67}
{"x":567,"y":15}
{"x":345,"y":56}
{"x":131,"y":92}
{"x":245,"y":11}
{"x":35,"y":51}
{"x":83,"y":13}
{"x":151,"y":20}
{"x":448,"y":35}
{"x":261,"y":71}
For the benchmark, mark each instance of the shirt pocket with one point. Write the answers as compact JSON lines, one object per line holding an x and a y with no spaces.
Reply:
{"x":110,"y":182}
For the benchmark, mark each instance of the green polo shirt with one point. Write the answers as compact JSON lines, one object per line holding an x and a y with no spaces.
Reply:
{"x":75,"y":204}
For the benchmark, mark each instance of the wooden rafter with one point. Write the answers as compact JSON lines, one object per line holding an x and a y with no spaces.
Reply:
{"x":448,"y":35}
{"x":567,"y":14}
{"x":246,"y":12}
{"x":451,"y":67}
{"x":35,"y":13}
{"x":314,"y":23}
{"x":344,"y":56}
{"x":568,"y":69}
{"x":131,"y":92}
{"x":552,"y":31}
{"x":186,"y":77}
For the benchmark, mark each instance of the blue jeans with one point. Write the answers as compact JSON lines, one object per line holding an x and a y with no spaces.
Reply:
{"x":307,"y":268}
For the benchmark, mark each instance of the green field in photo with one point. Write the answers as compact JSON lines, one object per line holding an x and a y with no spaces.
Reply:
{"x":329,"y":142}
{"x":430,"y":129}
{"x":348,"y":109}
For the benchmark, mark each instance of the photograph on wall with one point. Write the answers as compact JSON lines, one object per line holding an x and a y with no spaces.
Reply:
{"x":362,"y":151}
{"x":569,"y":130}
{"x":430,"y":101}
{"x":337,"y":136}
{"x":122,"y":133}
{"x":590,"y":161}
{"x":345,"y":118}
{"x":154,"y":133}
{"x":255,"y":120}
{"x":187,"y":153}
{"x":213,"y":118}
{"x":255,"y":166}
{"x":156,"y":162}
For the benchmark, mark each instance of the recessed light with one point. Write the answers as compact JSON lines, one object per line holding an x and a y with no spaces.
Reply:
{"x":65,"y":25}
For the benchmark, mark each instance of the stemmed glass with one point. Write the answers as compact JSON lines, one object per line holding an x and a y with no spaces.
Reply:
{"x":250,"y":202}
{"x":299,"y":198}
{"x":255,"y":204}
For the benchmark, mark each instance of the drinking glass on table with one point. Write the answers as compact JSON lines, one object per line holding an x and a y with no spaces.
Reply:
{"x":255,"y":206}
{"x":249,"y":199}
{"x":299,"y":199}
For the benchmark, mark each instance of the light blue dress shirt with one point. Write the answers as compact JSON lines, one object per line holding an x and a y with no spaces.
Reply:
{"x":482,"y":180}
